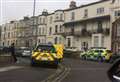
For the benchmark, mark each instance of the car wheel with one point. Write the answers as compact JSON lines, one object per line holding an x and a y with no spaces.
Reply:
{"x":84,"y":57}
{"x":100,"y":59}
{"x":33,"y":62}
{"x":54,"y":65}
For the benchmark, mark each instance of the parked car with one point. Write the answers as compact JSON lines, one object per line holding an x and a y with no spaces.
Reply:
{"x":1,"y":48}
{"x":99,"y":54}
{"x":23,"y":52}
{"x":70,"y":50}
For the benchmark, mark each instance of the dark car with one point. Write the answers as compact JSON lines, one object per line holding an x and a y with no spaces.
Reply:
{"x":114,"y":57}
{"x":114,"y":71}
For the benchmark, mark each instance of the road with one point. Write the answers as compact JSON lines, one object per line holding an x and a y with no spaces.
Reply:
{"x":76,"y":70}
{"x":86,"y":71}
{"x":23,"y":72}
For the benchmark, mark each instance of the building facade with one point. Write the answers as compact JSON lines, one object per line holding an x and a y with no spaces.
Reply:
{"x":9,"y":33}
{"x":79,"y":27}
{"x":55,"y":27}
{"x":88,"y":25}
{"x":42,"y":28}
{"x":116,"y":36}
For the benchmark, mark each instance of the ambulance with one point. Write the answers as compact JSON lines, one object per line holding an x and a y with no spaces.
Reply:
{"x":47,"y":54}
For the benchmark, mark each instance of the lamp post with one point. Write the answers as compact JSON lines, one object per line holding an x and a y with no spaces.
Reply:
{"x":34,"y":8}
{"x":34,"y":22}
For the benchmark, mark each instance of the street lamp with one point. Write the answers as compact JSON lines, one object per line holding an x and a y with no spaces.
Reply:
{"x":34,"y":6}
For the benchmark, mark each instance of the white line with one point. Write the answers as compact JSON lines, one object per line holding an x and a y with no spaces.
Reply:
{"x":3,"y":69}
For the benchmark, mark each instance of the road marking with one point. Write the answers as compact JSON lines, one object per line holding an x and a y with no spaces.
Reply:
{"x":4,"y":69}
{"x":59,"y":75}
{"x":63,"y":75}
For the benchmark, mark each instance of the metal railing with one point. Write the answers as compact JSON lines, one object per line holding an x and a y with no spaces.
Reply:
{"x":4,"y":51}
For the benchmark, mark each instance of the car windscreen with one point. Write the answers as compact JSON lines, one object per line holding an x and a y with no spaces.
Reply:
{"x":101,"y":51}
{"x":98,"y":51}
{"x":45,"y":48}
{"x":109,"y":51}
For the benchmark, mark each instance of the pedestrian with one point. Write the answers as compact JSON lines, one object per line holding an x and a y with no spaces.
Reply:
{"x":12,"y":50}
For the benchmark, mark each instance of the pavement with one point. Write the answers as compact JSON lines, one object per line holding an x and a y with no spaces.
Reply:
{"x":70,"y":70}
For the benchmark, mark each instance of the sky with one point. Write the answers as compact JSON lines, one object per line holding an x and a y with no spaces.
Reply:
{"x":17,"y":9}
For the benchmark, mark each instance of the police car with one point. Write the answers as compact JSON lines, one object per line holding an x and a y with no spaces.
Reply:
{"x":99,"y":54}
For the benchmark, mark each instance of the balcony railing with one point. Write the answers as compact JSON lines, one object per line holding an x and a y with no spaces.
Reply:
{"x":83,"y":32}
{"x":67,"y":33}
{"x":105,"y":31}
{"x":59,"y":20}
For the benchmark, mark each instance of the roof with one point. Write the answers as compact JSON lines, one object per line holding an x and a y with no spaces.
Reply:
{"x":101,"y":1}
{"x":58,"y":10}
{"x":50,"y":13}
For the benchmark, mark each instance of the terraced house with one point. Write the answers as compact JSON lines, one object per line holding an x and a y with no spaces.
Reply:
{"x":78,"y":27}
{"x":91,"y":25}
{"x":8,"y":33}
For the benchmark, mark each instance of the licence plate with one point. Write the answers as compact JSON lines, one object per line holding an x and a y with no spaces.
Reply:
{"x":44,"y":58}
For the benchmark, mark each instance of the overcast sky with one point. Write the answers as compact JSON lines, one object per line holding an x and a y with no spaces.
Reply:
{"x":16,"y":9}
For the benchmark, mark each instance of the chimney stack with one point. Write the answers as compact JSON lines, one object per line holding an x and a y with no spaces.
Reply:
{"x":72,"y":4}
